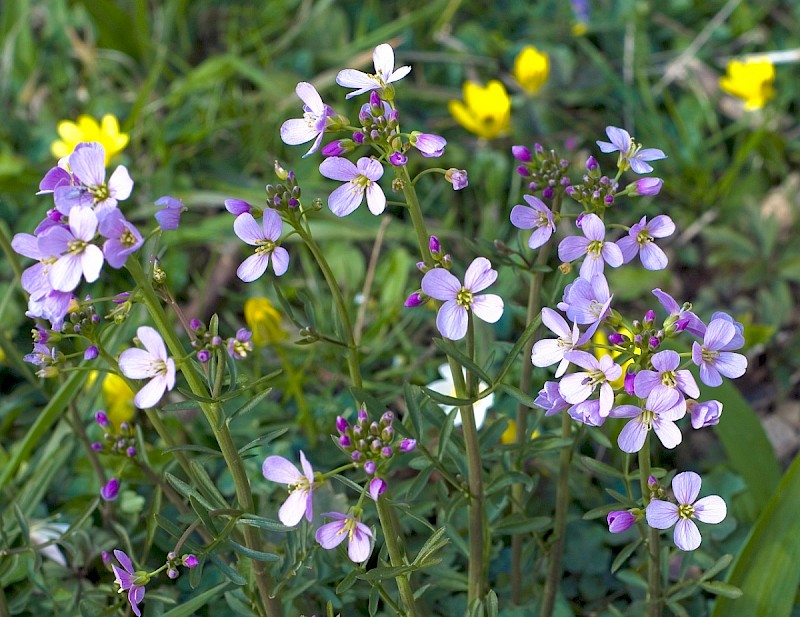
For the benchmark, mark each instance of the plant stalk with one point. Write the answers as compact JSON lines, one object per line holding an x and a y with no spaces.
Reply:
{"x":391,"y":536}
{"x":653,"y":600}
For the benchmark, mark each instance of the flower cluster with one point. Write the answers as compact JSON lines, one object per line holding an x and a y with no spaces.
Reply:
{"x":134,"y":581}
{"x":119,"y":441}
{"x":206,"y":342}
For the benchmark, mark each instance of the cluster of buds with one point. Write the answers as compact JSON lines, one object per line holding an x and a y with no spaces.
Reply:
{"x":545,"y":171}
{"x":124,"y":304}
{"x":205,"y":342}
{"x":284,"y":195}
{"x":597,"y":191}
{"x":440,"y":260}
{"x":121,"y":442}
{"x":81,"y":318}
{"x":174,"y":562}
{"x":47,"y":358}
{"x":370,"y":443}
{"x":379,"y":124}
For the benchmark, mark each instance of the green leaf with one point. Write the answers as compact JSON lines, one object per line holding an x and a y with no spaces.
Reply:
{"x":722,"y":589}
{"x":599,"y":468}
{"x":252,"y":553}
{"x":519,"y":395}
{"x":521,"y":523}
{"x":626,"y":552}
{"x":766,"y":568}
{"x":452,"y":350}
{"x":263,"y":523}
{"x":200,"y":600}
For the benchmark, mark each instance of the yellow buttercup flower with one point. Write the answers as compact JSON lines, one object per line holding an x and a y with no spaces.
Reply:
{"x":264,"y":321}
{"x":750,"y":81}
{"x":531,"y":69}
{"x":509,"y":436}
{"x":119,"y":399}
{"x":88,"y":129}
{"x":485,"y":111}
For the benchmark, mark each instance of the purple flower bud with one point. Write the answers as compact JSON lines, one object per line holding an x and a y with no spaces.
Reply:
{"x":646,"y":186}
{"x":538,"y":148}
{"x":393,"y":115}
{"x":457,"y":177}
{"x":533,"y":187}
{"x":106,"y":557}
{"x":97,"y":446}
{"x":216,"y":341}
{"x":628,"y":382}
{"x":386,"y":452}
{"x":358,"y":430}
{"x":398,"y":159}
{"x":523,"y":171}
{"x":681,"y":324}
{"x":592,"y":164}
{"x":237,"y":206}
{"x":570,"y":190}
{"x":620,"y":520}
{"x":421,"y":266}
{"x":374,"y":429}
{"x":203,"y":356}
{"x":615,"y":338}
{"x":190,"y":561}
{"x":341,"y":424}
{"x":110,"y":491}
{"x":579,"y":220}
{"x":91,"y":353}
{"x":565,"y":181}
{"x":375,"y":101}
{"x":415,"y":299}
{"x":609,"y":199}
{"x":169,"y":217}
{"x":433,"y":245}
{"x":387,"y":418}
{"x":131,"y":451}
{"x":637,"y":339}
{"x":344,"y":441}
{"x":428,"y":144}
{"x":369,"y":467}
{"x":652,"y":482}
{"x":363,"y":416}
{"x":654,"y":342}
{"x":171,"y":556}
{"x":102,"y":419}
{"x":375,"y":446}
{"x":522,"y":154}
{"x":649,"y":316}
{"x":387,"y":434}
{"x":358,"y":137}
{"x":172,"y":573}
{"x":195,"y":324}
{"x":548,"y":193}
{"x":121,"y":298}
{"x":333,"y":149}
{"x":407,"y":445}
{"x":376,"y":487}
{"x":356,"y":456}
{"x":54,"y":215}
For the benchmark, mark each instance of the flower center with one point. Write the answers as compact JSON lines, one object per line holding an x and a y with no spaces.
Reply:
{"x":643,"y":237}
{"x":669,"y":379}
{"x":709,"y":355}
{"x":686,"y":510}
{"x":594,"y":248}
{"x":360,"y":183}
{"x":127,"y":239}
{"x":76,"y":247}
{"x":647,"y":418}
{"x":264,"y":247}
{"x":160,"y":367}
{"x":594,"y":377}
{"x":240,"y":349}
{"x":100,"y":193}
{"x":595,"y":308}
{"x":464,"y":298}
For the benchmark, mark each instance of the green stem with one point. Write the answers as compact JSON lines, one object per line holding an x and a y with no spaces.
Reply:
{"x":391,"y":536}
{"x":414,"y":209}
{"x":3,"y":605}
{"x":654,"y":598}
{"x":341,"y":308}
{"x":554,"y":571}
{"x":213,"y":414}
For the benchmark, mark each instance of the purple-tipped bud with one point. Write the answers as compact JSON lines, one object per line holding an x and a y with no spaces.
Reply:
{"x":386,"y":452}
{"x":172,"y":573}
{"x":387,"y":434}
{"x":548,"y":193}
{"x":620,"y":520}
{"x":341,"y":424}
{"x":457,"y":177}
{"x":387,"y":418}
{"x":637,"y":339}
{"x":91,"y":353}
{"x":97,"y":446}
{"x":398,"y":159}
{"x":608,"y":199}
{"x":570,"y":190}
{"x":533,"y":187}
{"x":374,"y":429}
{"x":203,"y":356}
{"x":363,"y":416}
{"x":629,"y":381}
{"x":358,"y":137}
{"x":615,"y":338}
{"x":681,"y":324}
{"x":652,"y":482}
{"x":376,"y":487}
{"x":195,"y":324}
{"x":646,"y":186}
{"x":356,"y":456}
{"x":110,"y":490}
{"x":649,"y":317}
{"x":171,"y":556}
{"x":522,"y":154}
{"x":407,"y":445}
{"x":523,"y":171}
{"x":414,"y":300}
{"x":429,"y":145}
{"x":434,"y":246}
{"x":190,"y":561}
{"x":54,"y":215}
{"x":375,"y":100}
{"x":106,"y":557}
{"x":237,"y":206}
{"x":654,"y":342}
{"x":375,"y":446}
{"x":358,"y":430}
{"x":592,"y":164}
{"x":131,"y":451}
{"x":421,"y":266}
{"x":565,"y":181}
{"x":370,"y":467}
{"x":344,"y":441}
{"x":102,"y":418}
{"x":333,"y":149}
{"x":538,"y":148}
{"x":579,"y":220}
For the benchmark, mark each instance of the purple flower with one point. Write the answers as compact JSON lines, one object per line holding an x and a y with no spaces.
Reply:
{"x":88,"y":166}
{"x":664,"y":514}
{"x":190,"y":561}
{"x":398,"y":159}
{"x":122,"y":238}
{"x":313,"y":123}
{"x":587,"y":302}
{"x":659,"y":413}
{"x":646,"y":186}
{"x":358,"y":535}
{"x":550,"y":399}
{"x":737,"y":342}
{"x":666,"y":377}
{"x":549,"y":351}
{"x":577,"y":387}
{"x":299,"y":502}
{"x":110,"y":490}
{"x":712,"y":356}
{"x":385,"y":74}
{"x":151,"y":363}
{"x":704,"y":414}
{"x":240,"y":345}
{"x":359,"y":179}
{"x":376,"y":487}
{"x":76,"y":254}
{"x":598,"y":252}
{"x":522,"y":154}
{"x":535,"y":215}
{"x":57,"y":176}
{"x":620,"y":520}
{"x":631,"y":154}
{"x":429,"y":145}
{"x":407,"y":445}
{"x":91,"y":352}
{"x":458,"y":300}
{"x":237,"y":206}
{"x":457,"y":177}
{"x":130,"y":581}
{"x":169,"y":217}
{"x":640,"y":238}
{"x":694,"y":325}
{"x":588,"y":413}
{"x":265,"y":240}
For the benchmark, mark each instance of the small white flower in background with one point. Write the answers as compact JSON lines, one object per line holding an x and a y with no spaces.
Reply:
{"x":385,"y":73}
{"x":42,"y":532}
{"x":445,"y":386}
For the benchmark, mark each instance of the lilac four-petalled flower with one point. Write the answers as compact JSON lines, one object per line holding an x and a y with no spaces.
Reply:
{"x":359,"y":179}
{"x":299,"y":502}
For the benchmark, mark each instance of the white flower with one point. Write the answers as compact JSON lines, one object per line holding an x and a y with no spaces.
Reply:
{"x":445,"y":386}
{"x":151,"y":362}
{"x":42,"y":532}
{"x":383,"y":58}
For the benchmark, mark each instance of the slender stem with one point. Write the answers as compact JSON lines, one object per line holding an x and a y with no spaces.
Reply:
{"x":554,"y":571}
{"x":654,"y":601}
{"x":212,"y":412}
{"x":416,"y":214}
{"x":341,"y":308}
{"x":366,"y":290}
{"x":3,"y":604}
{"x":391,"y":536}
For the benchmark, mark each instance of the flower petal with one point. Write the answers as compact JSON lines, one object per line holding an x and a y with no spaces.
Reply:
{"x":151,"y":340}
{"x":631,"y":437}
{"x":137,"y":364}
{"x":479,"y":275}
{"x":151,"y":393}
{"x":331,"y":535}
{"x":297,"y":131}
{"x":376,"y":200}
{"x":383,"y":59}
{"x":452,"y":320}
{"x":687,"y":535}
{"x":248,"y":230}
{"x":338,"y":168}
{"x":279,"y":469}
{"x":293,"y":509}
{"x":252,"y":268}
{"x":345,"y":199}
{"x":711,"y":509}
{"x":280,"y":260}
{"x":440,"y":284}
{"x":488,"y":307}
{"x":309,"y":95}
{"x":686,"y":487}
{"x":272,"y":224}
{"x":661,"y":514}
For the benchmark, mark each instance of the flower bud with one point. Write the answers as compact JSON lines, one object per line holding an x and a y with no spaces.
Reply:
{"x":280,"y":171}
{"x":645,"y":186}
{"x":369,"y":467}
{"x":376,"y":487}
{"x":615,"y":338}
{"x":334,"y":148}
{"x":434,"y":246}
{"x":407,"y":445}
{"x":522,"y":154}
{"x":592,"y":164}
{"x":386,"y":452}
{"x":363,"y":416}
{"x":110,"y":491}
{"x":190,"y":561}
{"x":172,"y":573}
{"x":630,"y":379}
{"x":620,"y":520}
{"x":341,"y":424}
{"x":414,"y":300}
{"x":387,"y":418}
{"x":102,"y":418}
{"x":91,"y":353}
{"x":344,"y":441}
{"x":398,"y":159}
{"x":131,"y":452}
{"x":654,"y":342}
{"x":203,"y":356}
{"x":457,"y":177}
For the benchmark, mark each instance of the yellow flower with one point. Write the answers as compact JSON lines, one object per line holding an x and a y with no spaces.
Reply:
{"x":509,"y":436}
{"x":264,"y":321}
{"x":87,"y":129}
{"x":750,"y":81}
{"x":531,"y":69}
{"x":486,"y":111}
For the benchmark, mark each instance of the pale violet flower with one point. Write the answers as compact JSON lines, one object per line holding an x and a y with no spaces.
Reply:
{"x":151,"y":363}
{"x":631,"y":154}
{"x":76,"y":255}
{"x":593,"y":245}
{"x":537,"y":216}
{"x":313,"y":123}
{"x":550,"y":399}
{"x":445,"y":386}
{"x":713,"y":356}
{"x":549,"y":351}
{"x":359,"y":536}
{"x":659,"y":414}
{"x":385,"y":73}
{"x":587,"y":302}
{"x":577,"y":387}
{"x":299,"y":502}
{"x":640,"y":240}
{"x":130,"y":580}
{"x":359,"y":179}
{"x":264,"y":237}
{"x":666,"y":376}
{"x":459,"y":299}
{"x":664,"y":514}
{"x":429,"y":145}
{"x":704,"y":414}
{"x":88,"y":166}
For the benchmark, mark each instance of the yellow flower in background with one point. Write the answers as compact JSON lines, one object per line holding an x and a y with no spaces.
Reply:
{"x":509,"y":436}
{"x":88,"y":129}
{"x":118,"y":397}
{"x":750,"y":81}
{"x":485,"y":111}
{"x":531,"y":69}
{"x":264,"y":321}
